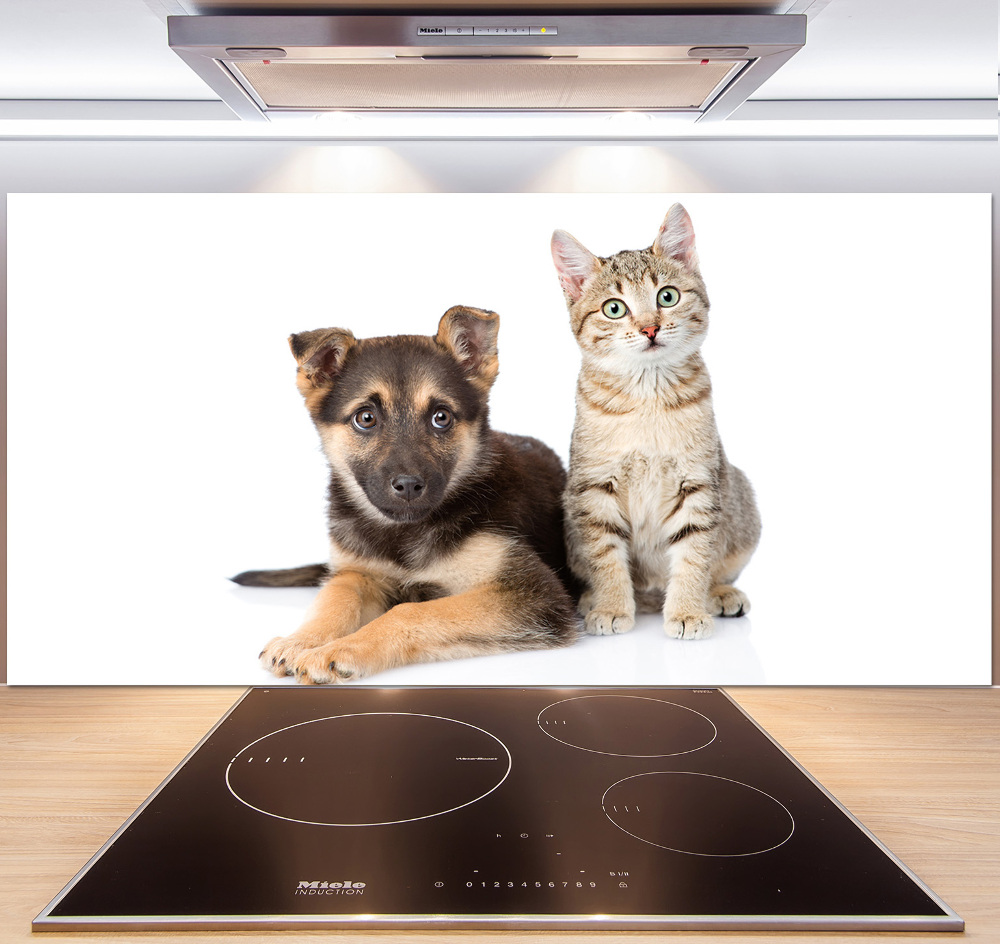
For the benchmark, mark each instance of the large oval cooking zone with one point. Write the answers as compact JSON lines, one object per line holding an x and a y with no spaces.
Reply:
{"x":368,"y":769}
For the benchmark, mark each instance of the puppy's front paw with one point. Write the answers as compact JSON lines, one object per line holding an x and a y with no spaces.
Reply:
{"x":329,"y":664}
{"x":280,"y":655}
{"x":695,"y":626}
{"x":606,"y":623}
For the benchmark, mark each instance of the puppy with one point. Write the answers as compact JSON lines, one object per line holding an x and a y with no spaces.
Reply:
{"x":446,"y":538}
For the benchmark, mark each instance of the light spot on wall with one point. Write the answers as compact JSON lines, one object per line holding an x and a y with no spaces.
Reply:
{"x":344,"y":168}
{"x":617,"y":168}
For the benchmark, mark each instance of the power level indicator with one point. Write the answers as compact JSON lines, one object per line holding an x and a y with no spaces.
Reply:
{"x":516,"y":30}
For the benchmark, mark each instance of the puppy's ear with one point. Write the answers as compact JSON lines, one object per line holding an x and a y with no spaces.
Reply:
{"x":320,"y":355}
{"x":470,"y":334}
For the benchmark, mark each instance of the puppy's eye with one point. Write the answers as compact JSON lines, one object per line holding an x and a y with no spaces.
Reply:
{"x":364,"y":420}
{"x":614,"y":308}
{"x":442,"y":419}
{"x":668,"y":296}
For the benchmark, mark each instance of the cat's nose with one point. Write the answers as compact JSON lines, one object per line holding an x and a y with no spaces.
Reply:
{"x":650,"y":331}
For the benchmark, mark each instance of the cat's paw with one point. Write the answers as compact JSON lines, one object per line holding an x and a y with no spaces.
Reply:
{"x":606,"y":623}
{"x":695,"y":626}
{"x":728,"y":601}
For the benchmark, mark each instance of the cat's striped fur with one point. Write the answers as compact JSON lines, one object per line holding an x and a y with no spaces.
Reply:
{"x":656,"y":516}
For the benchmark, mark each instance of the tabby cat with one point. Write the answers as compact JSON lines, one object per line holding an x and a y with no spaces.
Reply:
{"x":656,"y":517}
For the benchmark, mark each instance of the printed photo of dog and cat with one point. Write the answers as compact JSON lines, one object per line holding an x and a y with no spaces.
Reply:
{"x":449,"y":539}
{"x":524,"y":456}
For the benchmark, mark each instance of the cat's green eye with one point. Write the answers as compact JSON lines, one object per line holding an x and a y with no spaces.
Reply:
{"x":668,"y":296}
{"x":614,"y":308}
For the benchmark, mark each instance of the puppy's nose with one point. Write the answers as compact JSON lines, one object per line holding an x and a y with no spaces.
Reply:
{"x":650,"y":331}
{"x":407,"y":487}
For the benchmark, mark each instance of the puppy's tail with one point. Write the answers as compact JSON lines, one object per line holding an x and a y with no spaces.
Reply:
{"x":311,"y":575}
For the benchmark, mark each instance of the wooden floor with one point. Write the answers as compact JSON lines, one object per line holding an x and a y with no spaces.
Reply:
{"x":919,"y":767}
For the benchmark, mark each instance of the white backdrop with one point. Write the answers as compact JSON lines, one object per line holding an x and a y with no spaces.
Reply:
{"x":158,"y":444}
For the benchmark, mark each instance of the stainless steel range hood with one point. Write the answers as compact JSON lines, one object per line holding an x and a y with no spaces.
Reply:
{"x":698,"y":66}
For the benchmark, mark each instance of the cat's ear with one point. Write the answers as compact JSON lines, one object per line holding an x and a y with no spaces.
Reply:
{"x":320,"y":355}
{"x":470,"y":335}
{"x":574,"y":263}
{"x":675,"y":240}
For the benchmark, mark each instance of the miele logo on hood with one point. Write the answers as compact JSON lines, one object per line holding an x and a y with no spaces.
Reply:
{"x":330,"y":888}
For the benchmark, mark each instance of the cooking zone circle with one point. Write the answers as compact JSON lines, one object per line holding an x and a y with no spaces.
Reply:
{"x":370,"y":769}
{"x":699,"y":814}
{"x":627,"y":726}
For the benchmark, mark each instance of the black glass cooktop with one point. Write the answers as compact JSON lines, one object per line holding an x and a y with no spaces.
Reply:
{"x":355,"y":807}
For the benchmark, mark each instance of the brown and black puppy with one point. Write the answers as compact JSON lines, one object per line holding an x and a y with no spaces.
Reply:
{"x":446,"y":538}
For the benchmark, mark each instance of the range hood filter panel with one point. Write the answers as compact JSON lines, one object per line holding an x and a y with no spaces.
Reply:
{"x":700,"y":67}
{"x":474,"y":85}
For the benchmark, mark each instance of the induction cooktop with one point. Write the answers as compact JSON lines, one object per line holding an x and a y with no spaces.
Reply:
{"x":591,"y":808}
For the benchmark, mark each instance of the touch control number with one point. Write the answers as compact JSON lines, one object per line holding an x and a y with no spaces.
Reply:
{"x":509,"y":884}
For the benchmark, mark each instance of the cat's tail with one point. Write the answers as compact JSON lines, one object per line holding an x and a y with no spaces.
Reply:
{"x":311,"y":575}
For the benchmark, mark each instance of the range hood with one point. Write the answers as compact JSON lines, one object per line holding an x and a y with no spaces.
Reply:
{"x":272,"y":67}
